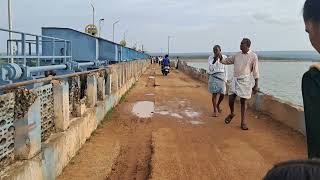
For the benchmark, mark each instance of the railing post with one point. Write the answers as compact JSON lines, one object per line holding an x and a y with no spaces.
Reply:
{"x":23,"y":48}
{"x":8,"y":48}
{"x":61,"y":105}
{"x":65,"y":51}
{"x":38,"y":50}
{"x":53,"y":51}
{"x":70,"y":50}
{"x":17,"y":48}
{"x":29,"y":48}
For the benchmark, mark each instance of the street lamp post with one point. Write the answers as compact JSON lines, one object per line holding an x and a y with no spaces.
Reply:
{"x":10,"y":29}
{"x":124,"y":35}
{"x":169,"y":37}
{"x":100,"y":22}
{"x":92,"y":12}
{"x":113,"y":25}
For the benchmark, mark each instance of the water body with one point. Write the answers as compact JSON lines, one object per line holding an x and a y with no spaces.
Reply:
{"x":279,"y":79}
{"x":267,"y":55}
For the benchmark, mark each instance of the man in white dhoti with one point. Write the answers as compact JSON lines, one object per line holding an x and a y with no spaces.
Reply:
{"x":245,"y":66}
{"x":217,"y":73}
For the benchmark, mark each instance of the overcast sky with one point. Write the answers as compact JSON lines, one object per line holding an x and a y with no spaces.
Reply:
{"x":195,"y":24}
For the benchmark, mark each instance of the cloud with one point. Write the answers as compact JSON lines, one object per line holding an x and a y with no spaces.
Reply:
{"x":189,"y":21}
{"x":272,"y":19}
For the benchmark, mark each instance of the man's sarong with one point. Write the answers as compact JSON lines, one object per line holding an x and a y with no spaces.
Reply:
{"x":241,"y":86}
{"x":216,"y":83}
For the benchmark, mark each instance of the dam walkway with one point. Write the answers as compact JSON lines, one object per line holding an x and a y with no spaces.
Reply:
{"x":163,"y":129}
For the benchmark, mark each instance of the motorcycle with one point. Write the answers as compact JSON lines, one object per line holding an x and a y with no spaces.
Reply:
{"x":166,"y":70}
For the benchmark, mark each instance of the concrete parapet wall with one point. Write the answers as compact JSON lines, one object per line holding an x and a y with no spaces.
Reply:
{"x":284,"y":112}
{"x":71,"y":130}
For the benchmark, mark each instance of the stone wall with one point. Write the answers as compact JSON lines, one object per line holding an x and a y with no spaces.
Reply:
{"x":41,"y":129}
{"x":284,"y":112}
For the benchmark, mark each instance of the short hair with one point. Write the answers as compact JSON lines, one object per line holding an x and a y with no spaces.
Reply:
{"x":217,"y":46}
{"x":166,"y":56}
{"x":247,"y":41}
{"x":295,"y":170}
{"x":311,"y":11}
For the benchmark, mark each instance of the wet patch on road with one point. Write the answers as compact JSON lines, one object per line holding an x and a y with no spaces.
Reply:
{"x":150,"y":94}
{"x":143,"y":109}
{"x":180,"y":109}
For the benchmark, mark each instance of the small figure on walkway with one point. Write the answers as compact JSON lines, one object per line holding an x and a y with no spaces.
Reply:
{"x":217,"y":79}
{"x":245,"y":65}
{"x":178,"y":61}
{"x":165,"y":66}
{"x":160,"y":60}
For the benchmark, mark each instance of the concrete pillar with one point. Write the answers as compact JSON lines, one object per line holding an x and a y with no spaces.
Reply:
{"x":127,"y":71}
{"x":123,"y":74}
{"x":91,"y":90}
{"x":114,"y":82}
{"x":101,"y":88}
{"x":76,"y":111}
{"x":108,"y":84}
{"x":118,"y":77}
{"x":28,"y":132}
{"x":61,"y":105}
{"x":130,"y":70}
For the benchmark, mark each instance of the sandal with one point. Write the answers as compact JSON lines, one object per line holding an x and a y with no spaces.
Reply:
{"x":244,"y":127}
{"x":229,"y":118}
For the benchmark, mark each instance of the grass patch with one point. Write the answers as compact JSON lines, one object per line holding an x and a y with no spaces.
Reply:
{"x":123,"y":97}
{"x":111,"y":112}
{"x":103,"y":123}
{"x":109,"y":115}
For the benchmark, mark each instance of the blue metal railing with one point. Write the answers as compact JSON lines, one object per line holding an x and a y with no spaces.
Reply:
{"x":26,"y":42}
{"x":34,"y":55}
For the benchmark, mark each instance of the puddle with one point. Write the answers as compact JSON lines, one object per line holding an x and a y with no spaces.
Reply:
{"x":181,"y":111}
{"x":143,"y":109}
{"x":150,"y":94}
{"x":182,"y":102}
{"x":191,"y":114}
{"x":196,"y":122}
{"x":163,"y":112}
{"x":176,"y":115}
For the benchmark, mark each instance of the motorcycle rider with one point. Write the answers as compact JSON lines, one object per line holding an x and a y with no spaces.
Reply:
{"x":165,"y":62}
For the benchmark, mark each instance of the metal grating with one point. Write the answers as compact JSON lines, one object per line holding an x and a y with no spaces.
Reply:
{"x":47,"y":112}
{"x":7,"y":129}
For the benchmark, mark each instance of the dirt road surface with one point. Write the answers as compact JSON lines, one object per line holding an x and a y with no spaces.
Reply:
{"x":179,"y":139}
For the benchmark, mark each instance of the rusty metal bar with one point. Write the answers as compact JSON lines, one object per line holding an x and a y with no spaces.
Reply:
{"x":25,"y":83}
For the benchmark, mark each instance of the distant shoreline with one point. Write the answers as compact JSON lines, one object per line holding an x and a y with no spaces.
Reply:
{"x":284,"y":56}
{"x":260,"y":59}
